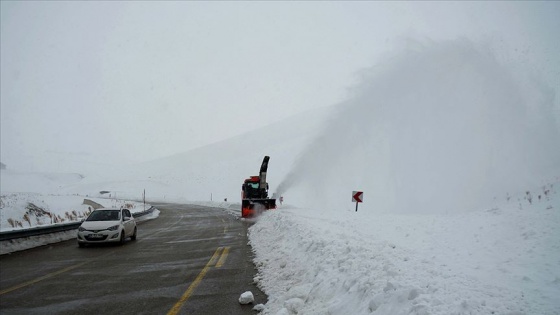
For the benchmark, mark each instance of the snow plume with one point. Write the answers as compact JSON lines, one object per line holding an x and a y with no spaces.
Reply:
{"x":305,"y":166}
{"x":438,"y":127}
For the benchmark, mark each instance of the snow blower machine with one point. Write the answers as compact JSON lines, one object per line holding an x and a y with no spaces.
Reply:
{"x":254,"y":194}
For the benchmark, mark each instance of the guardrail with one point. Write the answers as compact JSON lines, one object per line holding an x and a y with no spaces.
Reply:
{"x":143,"y":213}
{"x":10,"y":235}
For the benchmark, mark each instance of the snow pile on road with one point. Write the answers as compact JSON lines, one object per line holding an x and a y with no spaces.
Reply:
{"x":503,"y":260}
{"x":246,"y":297}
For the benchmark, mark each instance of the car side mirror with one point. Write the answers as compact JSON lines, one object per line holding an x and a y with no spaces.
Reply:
{"x":126,"y":218}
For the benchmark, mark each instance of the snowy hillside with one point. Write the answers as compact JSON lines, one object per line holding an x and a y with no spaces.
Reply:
{"x":18,"y":181}
{"x":213,"y":171}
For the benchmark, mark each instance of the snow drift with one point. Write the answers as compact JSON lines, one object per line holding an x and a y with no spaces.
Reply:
{"x":500,"y":261}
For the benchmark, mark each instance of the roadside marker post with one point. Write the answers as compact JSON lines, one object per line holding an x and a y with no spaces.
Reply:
{"x":357,"y":197}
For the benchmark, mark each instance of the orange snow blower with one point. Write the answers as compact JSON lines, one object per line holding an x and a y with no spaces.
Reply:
{"x":254,"y":194}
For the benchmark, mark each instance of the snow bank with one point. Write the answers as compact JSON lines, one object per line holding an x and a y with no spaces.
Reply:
{"x":19,"y":244}
{"x":15,"y":205}
{"x":16,"y":212}
{"x":503,"y":260}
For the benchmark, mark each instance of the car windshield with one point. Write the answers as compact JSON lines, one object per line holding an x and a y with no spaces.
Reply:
{"x":104,"y":215}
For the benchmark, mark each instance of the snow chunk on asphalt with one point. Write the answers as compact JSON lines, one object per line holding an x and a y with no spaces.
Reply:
{"x":246,"y":298}
{"x":258,"y":308}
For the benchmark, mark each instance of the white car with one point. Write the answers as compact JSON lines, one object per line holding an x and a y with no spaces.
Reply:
{"x":107,"y":225}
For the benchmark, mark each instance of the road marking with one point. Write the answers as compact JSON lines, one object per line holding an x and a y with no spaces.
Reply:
{"x":49,"y":275}
{"x":175,"y":309}
{"x":223,"y":258}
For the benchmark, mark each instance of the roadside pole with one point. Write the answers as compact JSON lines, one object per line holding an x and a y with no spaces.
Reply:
{"x":357,"y":196}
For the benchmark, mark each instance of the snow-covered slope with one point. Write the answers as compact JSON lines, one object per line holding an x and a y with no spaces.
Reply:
{"x":18,"y":181}
{"x":216,"y":170}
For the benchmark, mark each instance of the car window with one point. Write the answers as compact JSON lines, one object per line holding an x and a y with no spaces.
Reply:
{"x":104,"y":215}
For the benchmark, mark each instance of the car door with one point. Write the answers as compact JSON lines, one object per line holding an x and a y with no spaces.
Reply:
{"x":128,"y":224}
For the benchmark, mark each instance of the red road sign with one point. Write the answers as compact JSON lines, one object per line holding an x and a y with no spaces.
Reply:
{"x":357,"y":196}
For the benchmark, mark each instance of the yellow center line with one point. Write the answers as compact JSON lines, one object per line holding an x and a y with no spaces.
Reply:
{"x":49,"y":275}
{"x":223,"y":258}
{"x":175,"y":309}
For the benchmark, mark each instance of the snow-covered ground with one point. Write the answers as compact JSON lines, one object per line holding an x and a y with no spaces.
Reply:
{"x":31,"y":200}
{"x":31,"y":210}
{"x":20,"y":244}
{"x":28,"y":210}
{"x":500,"y":260}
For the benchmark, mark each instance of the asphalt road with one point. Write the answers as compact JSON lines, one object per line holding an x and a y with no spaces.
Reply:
{"x":190,"y":260}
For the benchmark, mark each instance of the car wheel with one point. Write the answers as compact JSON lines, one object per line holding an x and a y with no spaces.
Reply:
{"x":122,"y":237}
{"x":133,"y":237}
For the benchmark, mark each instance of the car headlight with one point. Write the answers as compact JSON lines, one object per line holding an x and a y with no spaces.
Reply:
{"x":81,"y":229}
{"x":113,"y":228}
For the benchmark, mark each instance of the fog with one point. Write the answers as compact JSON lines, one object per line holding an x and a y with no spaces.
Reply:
{"x":90,"y":85}
{"x":435,"y":127}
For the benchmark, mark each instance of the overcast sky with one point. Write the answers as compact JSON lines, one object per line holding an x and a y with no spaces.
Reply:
{"x":133,"y":81}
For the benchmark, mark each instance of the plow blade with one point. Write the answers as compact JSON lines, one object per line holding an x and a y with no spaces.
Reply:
{"x":253,"y":207}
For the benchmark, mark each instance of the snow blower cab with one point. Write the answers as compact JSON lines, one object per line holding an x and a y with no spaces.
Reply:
{"x":254,"y":194}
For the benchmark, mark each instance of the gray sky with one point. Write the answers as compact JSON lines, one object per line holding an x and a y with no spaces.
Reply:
{"x":133,"y":81}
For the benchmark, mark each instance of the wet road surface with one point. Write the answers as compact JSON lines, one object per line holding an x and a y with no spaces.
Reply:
{"x":190,"y":260}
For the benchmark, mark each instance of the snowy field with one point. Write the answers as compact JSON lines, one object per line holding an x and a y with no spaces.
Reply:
{"x":500,"y":260}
